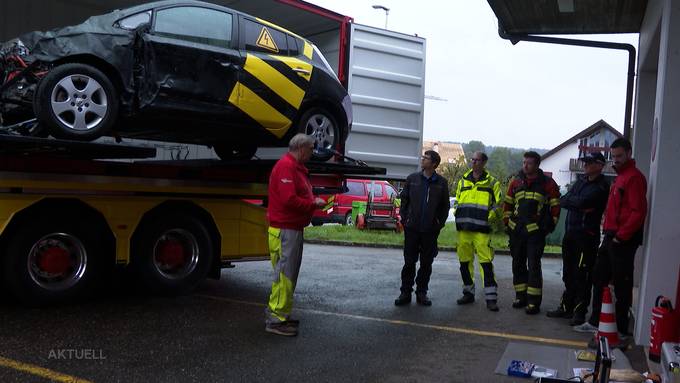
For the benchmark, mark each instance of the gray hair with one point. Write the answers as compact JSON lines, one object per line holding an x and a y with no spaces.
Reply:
{"x":298,"y":141}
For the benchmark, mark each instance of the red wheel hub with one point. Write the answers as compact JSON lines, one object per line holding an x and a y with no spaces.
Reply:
{"x":54,"y":260}
{"x":171,"y":253}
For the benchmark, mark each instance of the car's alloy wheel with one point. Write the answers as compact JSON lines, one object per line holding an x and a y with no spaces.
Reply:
{"x":324,"y":128}
{"x":348,"y":219}
{"x":76,"y":101}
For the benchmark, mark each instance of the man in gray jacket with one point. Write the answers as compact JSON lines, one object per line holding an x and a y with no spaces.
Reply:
{"x":424,"y":208}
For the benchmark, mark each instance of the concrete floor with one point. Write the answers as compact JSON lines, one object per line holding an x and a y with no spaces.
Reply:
{"x":350,"y":330}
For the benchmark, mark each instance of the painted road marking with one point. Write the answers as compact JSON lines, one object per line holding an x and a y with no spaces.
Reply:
{"x":459,"y":330}
{"x":40,"y":371}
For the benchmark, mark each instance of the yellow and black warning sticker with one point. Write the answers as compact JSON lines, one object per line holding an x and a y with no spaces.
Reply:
{"x":266,"y":41}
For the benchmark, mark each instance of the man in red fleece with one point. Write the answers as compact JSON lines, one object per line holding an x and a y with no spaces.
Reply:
{"x":624,"y":219}
{"x":291,"y":205}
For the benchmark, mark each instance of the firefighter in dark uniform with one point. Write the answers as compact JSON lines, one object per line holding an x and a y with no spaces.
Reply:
{"x":585,"y":203}
{"x":530,"y":212}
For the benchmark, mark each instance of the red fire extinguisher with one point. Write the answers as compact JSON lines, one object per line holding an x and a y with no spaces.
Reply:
{"x":664,"y":328}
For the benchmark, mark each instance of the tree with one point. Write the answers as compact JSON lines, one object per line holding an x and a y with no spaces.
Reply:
{"x":452,"y":172}
{"x":473,"y":146}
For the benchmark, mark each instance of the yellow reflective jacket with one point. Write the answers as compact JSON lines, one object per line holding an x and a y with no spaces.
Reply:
{"x":478,"y":202}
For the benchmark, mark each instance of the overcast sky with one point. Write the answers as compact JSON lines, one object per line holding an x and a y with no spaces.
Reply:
{"x":526,"y":95}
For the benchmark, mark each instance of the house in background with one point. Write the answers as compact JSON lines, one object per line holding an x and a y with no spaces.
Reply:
{"x":563,"y":163}
{"x":449,"y":152}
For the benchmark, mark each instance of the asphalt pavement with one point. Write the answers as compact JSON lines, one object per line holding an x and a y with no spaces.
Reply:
{"x":350,"y":329}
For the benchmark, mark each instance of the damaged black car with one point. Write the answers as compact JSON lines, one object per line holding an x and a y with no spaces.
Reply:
{"x":174,"y":71}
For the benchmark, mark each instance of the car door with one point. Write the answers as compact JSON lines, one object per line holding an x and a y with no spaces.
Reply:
{"x":194,"y":60}
{"x":275,"y":76}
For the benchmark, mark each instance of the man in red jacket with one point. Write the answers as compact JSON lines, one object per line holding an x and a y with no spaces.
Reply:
{"x":624,"y":219}
{"x":291,"y":205}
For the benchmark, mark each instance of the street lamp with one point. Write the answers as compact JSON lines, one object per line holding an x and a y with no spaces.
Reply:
{"x":384,"y":8}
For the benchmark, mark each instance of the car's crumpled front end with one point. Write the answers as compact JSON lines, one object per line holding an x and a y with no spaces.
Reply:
{"x":17,"y":82}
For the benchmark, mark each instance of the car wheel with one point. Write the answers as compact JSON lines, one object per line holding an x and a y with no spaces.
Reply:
{"x":172,"y":253}
{"x":227,"y":151}
{"x":324,"y":128}
{"x":76,"y":101}
{"x":348,"y":219}
{"x":53,"y":260}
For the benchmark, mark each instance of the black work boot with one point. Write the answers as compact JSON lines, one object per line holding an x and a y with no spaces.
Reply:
{"x":532,"y":309}
{"x":520,"y":301}
{"x":560,"y":312}
{"x":579,"y":318}
{"x":422,"y":299}
{"x":465,"y":299}
{"x":403,"y":299}
{"x":492,"y":305}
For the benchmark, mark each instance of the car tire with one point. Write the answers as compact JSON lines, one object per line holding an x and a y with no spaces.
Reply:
{"x":348,"y":219}
{"x":54,"y":260}
{"x":77,"y":102}
{"x":172,"y":253}
{"x":227,"y":151}
{"x":324,"y":128}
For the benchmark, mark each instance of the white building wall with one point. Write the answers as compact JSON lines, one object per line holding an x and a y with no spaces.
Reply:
{"x":662,"y":234}
{"x":558,"y":164}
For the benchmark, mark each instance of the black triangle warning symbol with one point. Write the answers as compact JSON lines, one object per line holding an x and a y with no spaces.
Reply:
{"x":266,"y":41}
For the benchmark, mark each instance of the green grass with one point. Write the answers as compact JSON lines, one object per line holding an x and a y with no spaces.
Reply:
{"x":350,"y":234}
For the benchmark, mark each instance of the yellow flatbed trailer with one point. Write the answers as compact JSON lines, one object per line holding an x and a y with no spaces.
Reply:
{"x":66,"y":220}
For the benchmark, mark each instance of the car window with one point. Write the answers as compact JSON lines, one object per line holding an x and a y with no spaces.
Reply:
{"x":195,"y":24}
{"x":294,"y":45}
{"x":355,"y":188}
{"x":263,"y":38}
{"x":135,"y":21}
{"x":390,"y":191}
{"x":377,"y":189}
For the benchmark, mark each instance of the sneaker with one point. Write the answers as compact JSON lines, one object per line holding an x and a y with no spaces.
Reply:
{"x":532,"y":309}
{"x":585,"y":327}
{"x":403,"y":299}
{"x":559,"y":312}
{"x":465,"y":299}
{"x":281,"y":328}
{"x":423,"y":300}
{"x":491,"y":305}
{"x":519,"y":303}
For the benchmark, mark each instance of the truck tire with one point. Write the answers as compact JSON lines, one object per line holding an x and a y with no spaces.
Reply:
{"x":172,"y":253}
{"x":348,"y":219}
{"x":324,"y":128}
{"x":53,"y":260}
{"x":76,"y":101}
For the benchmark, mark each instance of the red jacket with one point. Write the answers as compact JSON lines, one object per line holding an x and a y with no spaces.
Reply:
{"x":291,"y":202}
{"x":627,"y":205}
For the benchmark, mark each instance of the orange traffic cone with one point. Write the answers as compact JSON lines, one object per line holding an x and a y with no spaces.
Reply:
{"x":607,"y":327}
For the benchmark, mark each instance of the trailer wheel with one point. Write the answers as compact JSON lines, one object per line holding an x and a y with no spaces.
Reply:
{"x":52,"y":261}
{"x":172,"y":253}
{"x":76,"y":101}
{"x":324,"y":128}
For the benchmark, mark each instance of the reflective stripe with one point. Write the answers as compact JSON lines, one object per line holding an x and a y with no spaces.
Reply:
{"x":509,"y":199}
{"x":259,"y":110}
{"x":474,"y":206}
{"x":511,"y":224}
{"x":554,"y":201}
{"x":534,"y":291}
{"x":274,"y":80}
{"x":472,"y":220}
{"x":506,"y":214}
{"x":491,"y":292}
{"x":532,"y":227}
{"x":605,"y":327}
{"x":521,"y":287}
